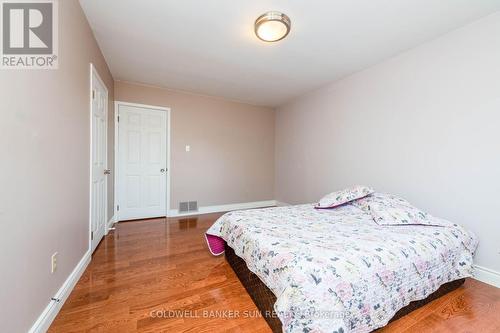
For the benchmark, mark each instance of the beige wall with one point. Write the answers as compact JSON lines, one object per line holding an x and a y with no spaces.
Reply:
{"x":44,"y":178}
{"x":232,"y":146}
{"x":424,"y":125}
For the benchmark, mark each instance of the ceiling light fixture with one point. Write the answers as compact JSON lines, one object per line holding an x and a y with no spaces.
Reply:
{"x":272,"y":26}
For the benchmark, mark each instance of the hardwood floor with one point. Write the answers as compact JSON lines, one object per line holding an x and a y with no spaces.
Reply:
{"x":158,"y":276}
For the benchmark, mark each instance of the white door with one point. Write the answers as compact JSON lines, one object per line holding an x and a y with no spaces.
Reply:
{"x":98,"y":201}
{"x":142,"y":164}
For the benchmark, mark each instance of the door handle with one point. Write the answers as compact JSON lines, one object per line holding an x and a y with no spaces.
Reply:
{"x":107,"y":171}
{"x":162,"y":170}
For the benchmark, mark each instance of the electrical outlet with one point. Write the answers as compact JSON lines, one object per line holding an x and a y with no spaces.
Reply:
{"x":53,"y":263}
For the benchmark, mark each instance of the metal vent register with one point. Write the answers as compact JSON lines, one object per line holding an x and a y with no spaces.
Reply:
{"x":188,"y":206}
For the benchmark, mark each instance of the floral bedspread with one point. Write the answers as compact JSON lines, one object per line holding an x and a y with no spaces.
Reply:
{"x":337,"y":270}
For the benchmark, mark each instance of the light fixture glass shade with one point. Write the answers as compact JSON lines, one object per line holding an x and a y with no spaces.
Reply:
{"x":272,"y":26}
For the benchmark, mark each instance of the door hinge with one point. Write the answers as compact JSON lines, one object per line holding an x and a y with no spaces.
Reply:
{"x":118,"y":118}
{"x":91,"y":235}
{"x":117,"y":208}
{"x":93,"y":93}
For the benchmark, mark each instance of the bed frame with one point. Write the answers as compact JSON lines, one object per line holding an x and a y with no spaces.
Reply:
{"x":264,"y":299}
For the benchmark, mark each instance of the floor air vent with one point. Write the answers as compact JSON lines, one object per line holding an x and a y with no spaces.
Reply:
{"x":188,"y":206}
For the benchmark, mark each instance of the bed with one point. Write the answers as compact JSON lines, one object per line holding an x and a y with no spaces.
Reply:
{"x":335,"y":270}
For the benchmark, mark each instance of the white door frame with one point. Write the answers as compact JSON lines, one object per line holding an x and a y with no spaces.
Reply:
{"x":93,"y":72}
{"x":117,"y":153}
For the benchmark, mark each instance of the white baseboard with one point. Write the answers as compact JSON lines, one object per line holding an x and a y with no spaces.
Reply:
{"x":224,"y":208}
{"x":487,"y":275}
{"x":282,"y":204}
{"x":110,"y":223}
{"x":43,"y":322}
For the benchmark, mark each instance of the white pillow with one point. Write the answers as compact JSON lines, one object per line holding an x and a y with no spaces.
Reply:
{"x":341,"y":197}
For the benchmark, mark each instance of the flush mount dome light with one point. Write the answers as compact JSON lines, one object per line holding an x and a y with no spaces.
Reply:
{"x":272,"y":26}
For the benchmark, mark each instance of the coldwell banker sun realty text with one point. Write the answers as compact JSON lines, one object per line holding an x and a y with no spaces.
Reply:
{"x":29,"y":34}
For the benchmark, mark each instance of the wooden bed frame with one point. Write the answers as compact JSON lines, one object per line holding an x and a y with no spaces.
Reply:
{"x":264,"y":299}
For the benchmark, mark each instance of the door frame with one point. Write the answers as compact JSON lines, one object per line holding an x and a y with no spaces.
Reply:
{"x":117,"y":153}
{"x":94,"y":72}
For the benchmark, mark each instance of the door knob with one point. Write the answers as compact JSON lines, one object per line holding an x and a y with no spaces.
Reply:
{"x":107,"y":171}
{"x":162,"y":170}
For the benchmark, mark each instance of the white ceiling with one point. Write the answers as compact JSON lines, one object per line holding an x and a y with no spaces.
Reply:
{"x":209,"y":47}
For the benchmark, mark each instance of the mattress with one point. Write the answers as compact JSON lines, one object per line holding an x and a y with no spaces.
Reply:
{"x":337,"y":270}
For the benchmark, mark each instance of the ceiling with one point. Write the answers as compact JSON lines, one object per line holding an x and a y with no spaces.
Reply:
{"x":209,"y":47}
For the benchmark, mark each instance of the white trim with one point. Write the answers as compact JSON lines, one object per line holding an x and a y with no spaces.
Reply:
{"x":487,"y":275}
{"x":145,"y":106}
{"x":110,"y":224}
{"x":169,"y":170}
{"x":93,"y":71}
{"x":282,"y":204}
{"x":43,"y":322}
{"x":224,"y":208}
{"x":116,"y":152}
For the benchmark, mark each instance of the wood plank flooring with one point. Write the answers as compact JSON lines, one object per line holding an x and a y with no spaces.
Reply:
{"x":158,"y":276}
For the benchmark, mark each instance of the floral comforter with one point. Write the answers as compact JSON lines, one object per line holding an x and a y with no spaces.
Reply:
{"x":337,"y":270}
